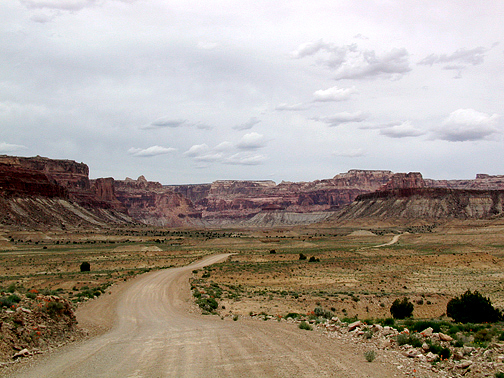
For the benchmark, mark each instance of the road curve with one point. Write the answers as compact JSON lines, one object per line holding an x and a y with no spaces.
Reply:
{"x":153,"y":335}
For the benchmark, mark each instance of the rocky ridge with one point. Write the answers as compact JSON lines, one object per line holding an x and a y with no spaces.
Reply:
{"x":46,"y":193}
{"x":409,"y":196}
{"x":40,"y":192}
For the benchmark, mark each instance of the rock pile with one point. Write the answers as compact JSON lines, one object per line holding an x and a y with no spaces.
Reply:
{"x":32,"y":324}
{"x":448,"y":361}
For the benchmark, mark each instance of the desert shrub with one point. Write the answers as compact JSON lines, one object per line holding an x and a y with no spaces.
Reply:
{"x":401,"y":309}
{"x":499,"y":375}
{"x":321,"y":312}
{"x":306,"y":326}
{"x":405,"y":338}
{"x":293,"y":315}
{"x":55,"y":308}
{"x":472,"y":308}
{"x":31,"y":295}
{"x":388,"y":322}
{"x":272,"y":251}
{"x":302,"y":256}
{"x":483,"y":335}
{"x":370,"y":355}
{"x":85,"y":267}
{"x":207,"y":304}
{"x":313,"y":259}
{"x":9,"y":301}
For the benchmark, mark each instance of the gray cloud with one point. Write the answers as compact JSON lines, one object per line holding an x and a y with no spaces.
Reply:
{"x":165,"y":122}
{"x":247,"y":125}
{"x":402,"y":130}
{"x":343,"y":117}
{"x":150,"y":151}
{"x":461,"y":56}
{"x":467,"y":125}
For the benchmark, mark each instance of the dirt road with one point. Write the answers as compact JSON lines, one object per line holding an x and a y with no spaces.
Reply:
{"x":153,"y":335}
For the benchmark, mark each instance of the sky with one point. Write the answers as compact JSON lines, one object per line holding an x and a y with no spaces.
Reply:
{"x":185,"y":91}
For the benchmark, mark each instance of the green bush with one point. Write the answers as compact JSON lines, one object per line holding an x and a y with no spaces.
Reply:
{"x":321,"y":312}
{"x":472,"y":308}
{"x":405,"y":338}
{"x":401,"y":309}
{"x":207,"y":304}
{"x":9,"y":301}
{"x":306,"y":326}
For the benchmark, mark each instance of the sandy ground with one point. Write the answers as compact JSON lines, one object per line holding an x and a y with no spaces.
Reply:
{"x":144,"y":329}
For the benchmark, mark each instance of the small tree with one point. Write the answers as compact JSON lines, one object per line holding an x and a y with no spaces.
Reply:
{"x":85,"y":267}
{"x":472,"y":308}
{"x":401,"y":309}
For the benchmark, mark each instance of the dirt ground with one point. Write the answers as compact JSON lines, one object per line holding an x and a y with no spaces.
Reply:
{"x":354,"y":273}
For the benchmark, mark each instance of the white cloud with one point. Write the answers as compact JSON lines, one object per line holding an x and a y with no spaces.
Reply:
{"x":245,"y":159}
{"x":8,"y":147}
{"x":311,"y":48}
{"x":251,"y":141}
{"x":403,"y":130}
{"x":247,"y":125}
{"x":224,"y":146}
{"x":197,"y":150}
{"x":293,"y":107}
{"x":151,"y":151}
{"x":356,"y":152}
{"x":467,"y":125}
{"x":366,"y":64}
{"x":350,"y":62}
{"x":334,"y":94}
{"x":343,"y":117}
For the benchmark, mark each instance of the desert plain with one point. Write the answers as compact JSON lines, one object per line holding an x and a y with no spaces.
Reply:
{"x":354,"y":270}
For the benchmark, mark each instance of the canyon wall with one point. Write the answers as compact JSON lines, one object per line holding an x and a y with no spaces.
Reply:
{"x":151,"y":203}
{"x":47,"y":193}
{"x":409,"y":196}
{"x":240,"y":201}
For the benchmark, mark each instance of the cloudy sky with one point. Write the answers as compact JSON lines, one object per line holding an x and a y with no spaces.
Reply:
{"x":186,"y":91}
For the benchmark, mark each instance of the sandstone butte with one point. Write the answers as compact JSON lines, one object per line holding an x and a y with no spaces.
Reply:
{"x":42,"y":192}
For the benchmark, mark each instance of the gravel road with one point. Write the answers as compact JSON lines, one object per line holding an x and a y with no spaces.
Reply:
{"x":151,"y":333}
